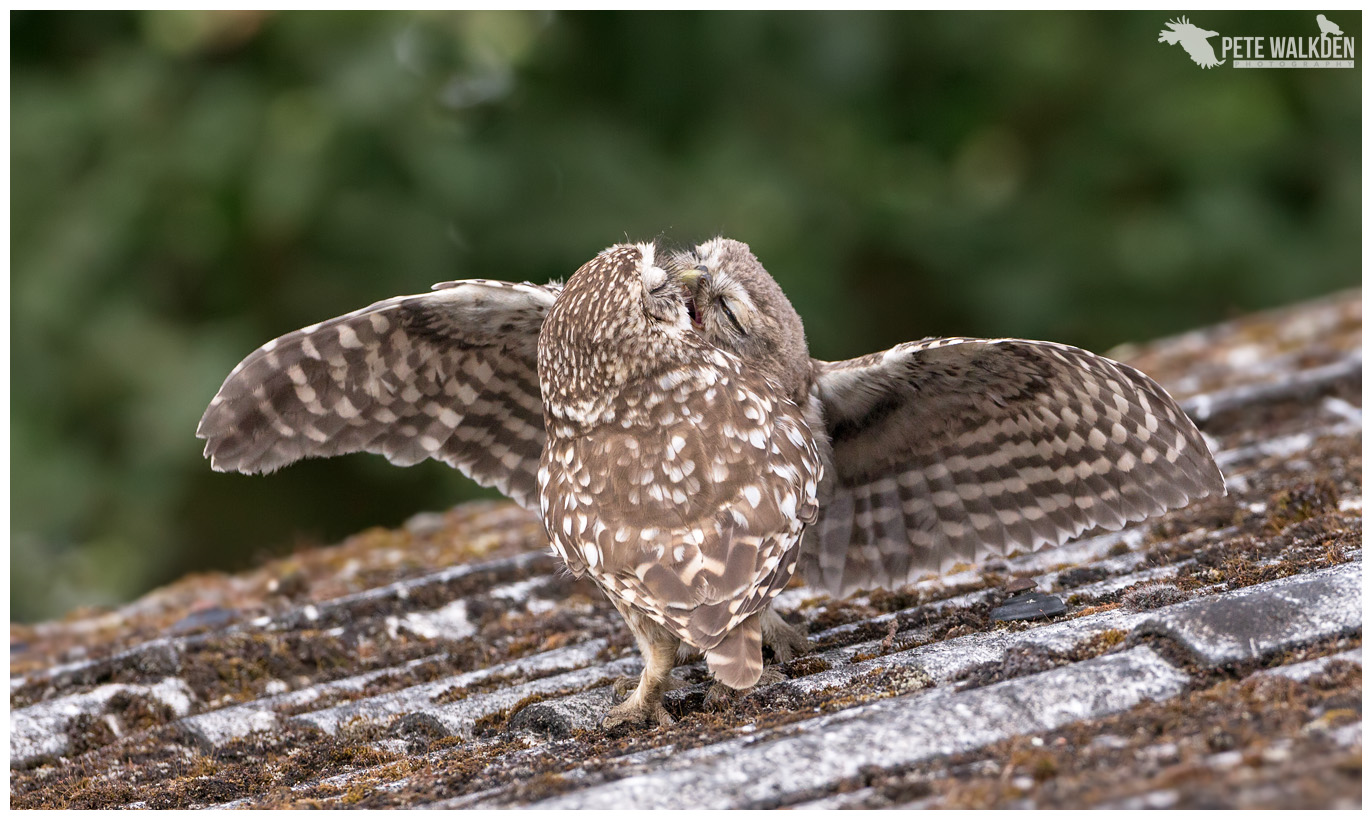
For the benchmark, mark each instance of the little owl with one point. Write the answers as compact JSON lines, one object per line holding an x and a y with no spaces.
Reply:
{"x":663,"y":415}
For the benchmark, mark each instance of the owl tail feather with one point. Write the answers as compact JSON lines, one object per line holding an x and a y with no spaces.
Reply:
{"x":737,"y":660}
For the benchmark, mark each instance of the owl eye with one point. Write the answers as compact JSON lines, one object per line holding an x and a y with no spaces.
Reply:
{"x":657,"y":282}
{"x":724,"y":306}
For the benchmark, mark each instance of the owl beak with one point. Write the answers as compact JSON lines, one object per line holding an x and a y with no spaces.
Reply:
{"x":695,"y":280}
{"x":692,"y":275}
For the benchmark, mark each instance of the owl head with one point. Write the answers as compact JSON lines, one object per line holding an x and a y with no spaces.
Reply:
{"x":625,"y":292}
{"x":622,"y":316}
{"x":737,"y":306}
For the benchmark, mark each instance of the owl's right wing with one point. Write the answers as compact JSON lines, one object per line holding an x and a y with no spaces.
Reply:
{"x":449,"y":375}
{"x":951,"y":450}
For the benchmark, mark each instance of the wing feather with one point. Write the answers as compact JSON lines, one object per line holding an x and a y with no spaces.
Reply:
{"x":992,"y":445}
{"x":449,"y":375}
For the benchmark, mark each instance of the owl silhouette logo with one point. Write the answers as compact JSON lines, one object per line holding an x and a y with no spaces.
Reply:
{"x":1327,"y":27}
{"x":1194,"y":39}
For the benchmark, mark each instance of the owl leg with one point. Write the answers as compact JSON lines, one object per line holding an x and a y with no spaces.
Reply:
{"x":659,"y":649}
{"x":784,"y":640}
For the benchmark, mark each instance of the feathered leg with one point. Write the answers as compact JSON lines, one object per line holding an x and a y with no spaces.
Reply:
{"x":659,"y":648}
{"x":784,"y":640}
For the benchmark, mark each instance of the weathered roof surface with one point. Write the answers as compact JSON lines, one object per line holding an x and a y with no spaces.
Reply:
{"x":1211,"y":657}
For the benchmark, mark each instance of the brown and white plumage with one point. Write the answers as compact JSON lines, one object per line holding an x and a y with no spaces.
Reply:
{"x":449,"y":375}
{"x":701,"y":541}
{"x":689,"y":437}
{"x":674,"y":475}
{"x":950,"y":450}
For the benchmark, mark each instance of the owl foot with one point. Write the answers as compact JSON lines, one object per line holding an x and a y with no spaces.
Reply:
{"x":719,"y":696}
{"x":784,"y":640}
{"x":635,"y":712}
{"x":626,"y":684}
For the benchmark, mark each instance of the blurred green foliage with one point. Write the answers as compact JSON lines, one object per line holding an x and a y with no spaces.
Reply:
{"x":187,"y":185}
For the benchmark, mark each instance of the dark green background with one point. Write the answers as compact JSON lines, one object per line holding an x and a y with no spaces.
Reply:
{"x":187,"y":185}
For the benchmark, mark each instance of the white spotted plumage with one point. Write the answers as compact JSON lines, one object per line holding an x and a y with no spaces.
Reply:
{"x":617,"y":372}
{"x":448,"y":375}
{"x":656,"y":460}
{"x":952,"y":450}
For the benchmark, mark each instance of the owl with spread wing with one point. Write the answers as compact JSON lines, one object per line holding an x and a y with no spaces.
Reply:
{"x":662,"y":414}
{"x":952,"y":450}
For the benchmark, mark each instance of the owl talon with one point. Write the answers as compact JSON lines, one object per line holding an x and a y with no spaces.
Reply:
{"x":785,"y":641}
{"x":626,"y":684}
{"x":635,"y":712}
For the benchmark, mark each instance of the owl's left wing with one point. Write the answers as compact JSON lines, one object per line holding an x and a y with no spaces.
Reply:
{"x":449,"y":375}
{"x":951,"y":450}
